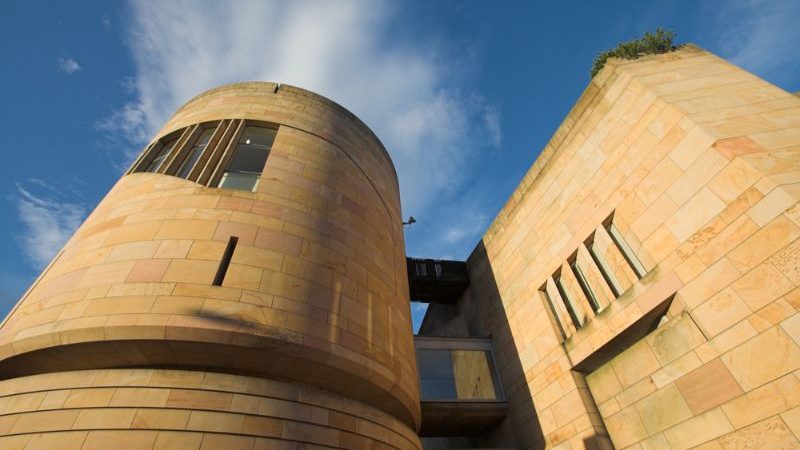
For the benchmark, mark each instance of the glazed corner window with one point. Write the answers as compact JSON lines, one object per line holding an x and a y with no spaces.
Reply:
{"x":161,"y":155}
{"x":194,"y":154}
{"x":249,"y":158}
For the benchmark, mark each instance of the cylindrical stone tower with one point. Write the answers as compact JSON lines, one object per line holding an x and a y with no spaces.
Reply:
{"x":242,"y":286}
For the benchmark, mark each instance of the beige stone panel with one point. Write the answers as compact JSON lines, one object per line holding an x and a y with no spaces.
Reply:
{"x":104,"y":274}
{"x":756,"y":405}
{"x":732,"y":148}
{"x":697,"y":211}
{"x":761,"y":286}
{"x":770,"y":434}
{"x":143,"y":231}
{"x":89,"y":398}
{"x":675,"y":370}
{"x":774,"y":203}
{"x":177,"y":440}
{"x":56,"y":440}
{"x":720,"y":312}
{"x":228,"y":442}
{"x":697,"y":430}
{"x":133,"y":250}
{"x":664,"y":408}
{"x":186,"y":229}
{"x":165,"y":419}
{"x":734,"y":180}
{"x":191,"y":271}
{"x":674,"y":338}
{"x":762,"y":359}
{"x":148,"y":271}
{"x":33,"y":422}
{"x":698,"y":175}
{"x":172,"y":248}
{"x":634,"y":364}
{"x":654,"y":216}
{"x":708,"y":386}
{"x":777,"y":139}
{"x":104,"y":418}
{"x":638,"y":391}
{"x":709,"y":283}
{"x":771,"y":315}
{"x":603,"y":383}
{"x":787,"y":261}
{"x":252,"y":256}
{"x":690,"y":147}
{"x":208,"y":250}
{"x":131,"y":440}
{"x":727,"y":239}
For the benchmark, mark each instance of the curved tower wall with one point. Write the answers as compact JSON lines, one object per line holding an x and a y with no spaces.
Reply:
{"x":310,"y":328}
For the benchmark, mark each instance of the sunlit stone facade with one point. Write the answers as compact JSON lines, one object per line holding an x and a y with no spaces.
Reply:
{"x":641,"y":285}
{"x":270,"y":312}
{"x":244,"y":285}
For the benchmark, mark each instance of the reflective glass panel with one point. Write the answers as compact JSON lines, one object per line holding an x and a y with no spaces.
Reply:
{"x":456,"y":375}
{"x":195,"y":152}
{"x":162,"y":154}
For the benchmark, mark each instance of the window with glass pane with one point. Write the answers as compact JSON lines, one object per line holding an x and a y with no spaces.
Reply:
{"x":194,"y":154}
{"x":161,"y":155}
{"x":446,"y":374}
{"x":248,"y":159}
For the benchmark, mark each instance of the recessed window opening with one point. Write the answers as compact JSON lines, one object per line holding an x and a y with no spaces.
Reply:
{"x":625,"y":249}
{"x":553,"y":312}
{"x":604,"y":269}
{"x":249,"y":158}
{"x":161,"y":155}
{"x":569,"y":302}
{"x":194,"y":154}
{"x":226,"y":261}
{"x":583,"y":282}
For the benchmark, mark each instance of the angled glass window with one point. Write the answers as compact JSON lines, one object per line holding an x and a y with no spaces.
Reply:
{"x":194,"y":154}
{"x":249,"y":158}
{"x":161,"y":155}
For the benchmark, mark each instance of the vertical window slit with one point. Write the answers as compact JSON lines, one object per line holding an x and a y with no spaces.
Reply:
{"x":553,"y":313}
{"x":226,"y":261}
{"x":568,"y":302}
{"x":626,"y":250}
{"x":584,"y":284}
{"x":605,"y":271}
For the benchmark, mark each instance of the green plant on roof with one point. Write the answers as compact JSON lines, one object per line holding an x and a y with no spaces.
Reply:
{"x":651,"y":43}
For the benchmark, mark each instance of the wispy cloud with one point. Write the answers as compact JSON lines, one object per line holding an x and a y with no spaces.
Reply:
{"x":48,"y":221}
{"x":761,"y":36}
{"x":409,"y":92}
{"x":68,"y":65}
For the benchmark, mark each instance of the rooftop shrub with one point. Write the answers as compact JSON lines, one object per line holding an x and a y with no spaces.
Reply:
{"x":660,"y":41}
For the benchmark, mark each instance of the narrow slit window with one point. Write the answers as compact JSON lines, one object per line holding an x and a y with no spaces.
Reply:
{"x":553,"y":313}
{"x":626,"y":250}
{"x":194,"y":154}
{"x":584,"y":284}
{"x":605,"y":271}
{"x":569,"y":302}
{"x":161,"y":155}
{"x":249,"y":158}
{"x":226,"y":261}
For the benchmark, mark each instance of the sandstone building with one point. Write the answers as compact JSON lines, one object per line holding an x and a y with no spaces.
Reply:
{"x":245,"y":285}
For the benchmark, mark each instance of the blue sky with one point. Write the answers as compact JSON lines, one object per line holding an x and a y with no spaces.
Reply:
{"x":464,"y":94}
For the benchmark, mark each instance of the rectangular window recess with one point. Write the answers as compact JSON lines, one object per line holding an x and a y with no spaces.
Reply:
{"x":584,"y":284}
{"x":226,"y":261}
{"x":568,"y":302}
{"x":625,"y":339}
{"x":605,"y":271}
{"x":553,"y":313}
{"x":626,"y":250}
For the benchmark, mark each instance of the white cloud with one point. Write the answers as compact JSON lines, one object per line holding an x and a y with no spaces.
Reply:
{"x":68,"y":65}
{"x":48,"y":222}
{"x":412,"y":94}
{"x":761,"y":36}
